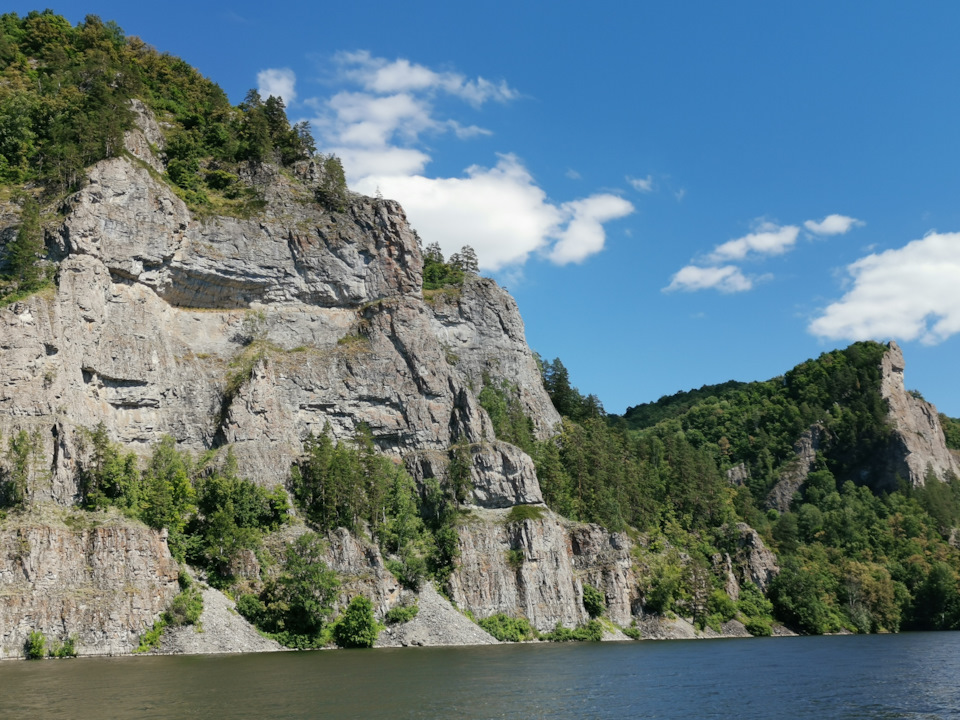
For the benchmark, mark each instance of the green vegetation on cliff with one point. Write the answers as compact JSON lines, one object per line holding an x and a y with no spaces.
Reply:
{"x":851,"y":558}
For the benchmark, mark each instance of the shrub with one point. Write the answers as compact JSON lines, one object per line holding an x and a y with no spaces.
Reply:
{"x":186,"y":608}
{"x":594,"y":601}
{"x":251,"y":607}
{"x":356,"y":628}
{"x":720,"y":604}
{"x":36,"y":646}
{"x":151,"y":638}
{"x":509,"y":629}
{"x":65,"y":649}
{"x":758,"y":627}
{"x":402,"y":614}
{"x":591,"y":632}
{"x":515,"y":558}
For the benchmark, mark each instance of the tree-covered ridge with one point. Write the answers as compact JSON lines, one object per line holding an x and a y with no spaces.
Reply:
{"x":66,"y":100}
{"x":65,"y":96}
{"x":850,"y":558}
{"x":646,"y":415}
{"x":758,"y":423}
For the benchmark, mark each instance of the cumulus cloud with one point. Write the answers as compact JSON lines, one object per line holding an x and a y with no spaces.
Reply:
{"x":279,"y":82}
{"x":501,"y":212}
{"x":643,"y":185}
{"x":377,"y":125}
{"x":584,"y":234}
{"x":769,"y":239}
{"x":833,"y":225}
{"x":726,"y":279}
{"x":908,"y":293}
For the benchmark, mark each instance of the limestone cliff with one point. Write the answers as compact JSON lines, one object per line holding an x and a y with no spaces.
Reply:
{"x":917,"y":445}
{"x":251,"y":332}
{"x":98,"y":578}
{"x":153,"y":305}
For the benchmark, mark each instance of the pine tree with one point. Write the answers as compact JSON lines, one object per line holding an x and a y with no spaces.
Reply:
{"x":26,"y":250}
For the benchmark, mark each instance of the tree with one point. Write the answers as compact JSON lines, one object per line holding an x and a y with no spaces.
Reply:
{"x":27,"y":248}
{"x":357,"y":628}
{"x":466,"y":260}
{"x":106,"y":476}
{"x":307,"y":586}
{"x":459,"y":472}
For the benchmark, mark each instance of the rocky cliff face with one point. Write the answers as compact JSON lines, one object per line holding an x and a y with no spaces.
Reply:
{"x":99,"y":578}
{"x":918,"y":446}
{"x":153,"y":306}
{"x":537,"y":568}
{"x":251,"y":332}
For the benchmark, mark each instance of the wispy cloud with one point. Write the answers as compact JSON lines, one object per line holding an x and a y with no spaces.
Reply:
{"x":384,"y":77}
{"x":767,"y":239}
{"x":378,"y":122}
{"x":643,"y":185}
{"x":908,"y":293}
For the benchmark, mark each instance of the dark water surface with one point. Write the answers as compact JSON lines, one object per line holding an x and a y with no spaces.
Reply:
{"x":913,"y":675}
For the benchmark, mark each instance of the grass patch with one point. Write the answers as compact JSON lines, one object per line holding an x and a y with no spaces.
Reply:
{"x":519,"y":513}
{"x":444,"y":294}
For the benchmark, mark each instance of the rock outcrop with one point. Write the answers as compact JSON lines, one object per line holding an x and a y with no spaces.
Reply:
{"x":537,"y":567}
{"x":98,"y":578}
{"x":917,"y":447}
{"x":792,"y":479}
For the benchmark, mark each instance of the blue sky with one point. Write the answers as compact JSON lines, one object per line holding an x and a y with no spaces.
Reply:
{"x":675,"y":193}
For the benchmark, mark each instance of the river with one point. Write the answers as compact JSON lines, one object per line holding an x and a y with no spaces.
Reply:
{"x":912,"y":675}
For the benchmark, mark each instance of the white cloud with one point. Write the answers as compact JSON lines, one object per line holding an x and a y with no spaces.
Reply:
{"x":368,"y":162}
{"x":279,"y":82}
{"x":572,"y":174}
{"x":376,"y":124}
{"x":909,"y":293}
{"x":727,"y":279}
{"x":500,"y":212}
{"x":643,"y":185}
{"x":584,"y":235}
{"x":769,"y":239}
{"x":833,"y":225}
{"x":382,"y":76}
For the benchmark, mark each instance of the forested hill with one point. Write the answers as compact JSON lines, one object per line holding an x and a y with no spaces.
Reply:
{"x":691,"y":465}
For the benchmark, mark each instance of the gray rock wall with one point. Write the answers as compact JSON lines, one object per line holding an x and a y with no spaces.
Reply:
{"x":102,"y":579}
{"x":918,"y":445}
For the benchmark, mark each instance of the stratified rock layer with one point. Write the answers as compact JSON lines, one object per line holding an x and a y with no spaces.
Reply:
{"x":101,"y":579}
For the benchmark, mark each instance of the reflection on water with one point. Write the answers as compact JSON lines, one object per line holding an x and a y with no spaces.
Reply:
{"x":891,"y":676}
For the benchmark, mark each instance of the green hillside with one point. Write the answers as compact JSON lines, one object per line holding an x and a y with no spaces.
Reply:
{"x":851,"y":558}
